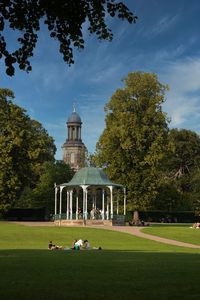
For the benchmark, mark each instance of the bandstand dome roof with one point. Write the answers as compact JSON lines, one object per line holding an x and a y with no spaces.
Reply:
{"x":74,"y":118}
{"x":90,"y":176}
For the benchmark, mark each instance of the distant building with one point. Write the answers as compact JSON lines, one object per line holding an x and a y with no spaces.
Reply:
{"x":73,"y":148}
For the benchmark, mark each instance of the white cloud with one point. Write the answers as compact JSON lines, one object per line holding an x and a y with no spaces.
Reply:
{"x":52,"y":75}
{"x":107,"y":73}
{"x":183,"y":101}
{"x":164,"y":24}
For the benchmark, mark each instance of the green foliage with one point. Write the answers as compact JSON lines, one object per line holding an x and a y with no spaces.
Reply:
{"x":169,"y":216}
{"x":185,"y":154}
{"x":53,"y":172}
{"x":133,"y":142}
{"x":24,"y":146}
{"x":64,"y":20}
{"x":195,"y":186}
{"x":26,"y":198}
{"x":168,"y":198}
{"x":181,"y":167}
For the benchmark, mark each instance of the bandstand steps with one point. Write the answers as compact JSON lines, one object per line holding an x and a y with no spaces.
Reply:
{"x":83,"y":222}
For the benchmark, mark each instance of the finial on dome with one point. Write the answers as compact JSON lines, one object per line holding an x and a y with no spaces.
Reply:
{"x":74,"y":107}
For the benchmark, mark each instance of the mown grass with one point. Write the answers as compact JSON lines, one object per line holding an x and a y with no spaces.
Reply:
{"x":127,"y":267}
{"x":182,"y":233}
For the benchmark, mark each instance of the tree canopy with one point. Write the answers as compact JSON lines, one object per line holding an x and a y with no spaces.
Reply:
{"x":185,"y":154}
{"x":24,"y":146}
{"x":64,"y":20}
{"x":53,"y":172}
{"x":133,"y":142}
{"x":181,"y":165}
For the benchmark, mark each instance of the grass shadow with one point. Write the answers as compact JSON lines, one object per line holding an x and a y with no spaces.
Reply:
{"x":106,"y":274}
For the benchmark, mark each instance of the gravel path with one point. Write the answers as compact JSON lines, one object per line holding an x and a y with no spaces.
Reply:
{"x":136,"y":231}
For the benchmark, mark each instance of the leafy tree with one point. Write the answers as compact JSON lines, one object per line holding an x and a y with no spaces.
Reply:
{"x":195,"y":183}
{"x":168,"y":197}
{"x":24,"y":146}
{"x":181,"y":165}
{"x":132,"y":144}
{"x":53,"y":172}
{"x":26,"y":199}
{"x":64,"y":20}
{"x":184,"y":156}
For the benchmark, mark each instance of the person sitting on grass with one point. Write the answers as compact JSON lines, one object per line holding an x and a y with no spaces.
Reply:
{"x":196,"y":225}
{"x":78,"y":245}
{"x":86,"y":245}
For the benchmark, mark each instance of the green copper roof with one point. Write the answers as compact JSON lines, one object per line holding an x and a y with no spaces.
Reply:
{"x":90,"y":176}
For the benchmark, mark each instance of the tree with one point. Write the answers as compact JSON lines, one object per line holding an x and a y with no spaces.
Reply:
{"x":53,"y":172}
{"x":24,"y":146}
{"x":168,"y":197}
{"x":64,"y":20}
{"x":185,"y":154}
{"x":132,"y":144}
{"x":195,"y":183}
{"x":181,"y":165}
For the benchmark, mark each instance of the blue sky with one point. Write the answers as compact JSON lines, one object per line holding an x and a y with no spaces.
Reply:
{"x":165,"y":40}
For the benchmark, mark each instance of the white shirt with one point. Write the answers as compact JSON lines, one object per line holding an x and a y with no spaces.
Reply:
{"x":79,"y":243}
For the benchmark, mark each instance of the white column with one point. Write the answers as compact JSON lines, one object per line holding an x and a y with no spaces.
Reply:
{"x":56,"y":191}
{"x":95,"y":201}
{"x":71,"y":197}
{"x":107,"y":208}
{"x":103,"y":204}
{"x":84,"y":187}
{"x":124,"y":201}
{"x":111,"y":201}
{"x":83,"y":202}
{"x":77,"y":204}
{"x":67,"y":205}
{"x":93,"y":197}
{"x":61,"y":188}
{"x":117,"y":202}
{"x":86,"y":213}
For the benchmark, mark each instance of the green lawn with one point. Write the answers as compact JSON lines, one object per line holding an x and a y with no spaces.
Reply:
{"x":126,"y":268}
{"x":178,"y":232}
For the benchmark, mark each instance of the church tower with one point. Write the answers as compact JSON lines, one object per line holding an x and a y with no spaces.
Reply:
{"x":73,"y":148}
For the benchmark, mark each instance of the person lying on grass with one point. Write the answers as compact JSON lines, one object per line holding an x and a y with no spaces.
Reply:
{"x":54,"y":247}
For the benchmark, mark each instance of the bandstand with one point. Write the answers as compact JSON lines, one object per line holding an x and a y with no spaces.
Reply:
{"x":90,"y":198}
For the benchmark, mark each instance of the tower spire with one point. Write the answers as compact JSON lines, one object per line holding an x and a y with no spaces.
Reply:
{"x":74,"y":107}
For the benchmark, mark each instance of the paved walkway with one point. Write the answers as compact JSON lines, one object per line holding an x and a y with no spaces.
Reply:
{"x":134,"y":230}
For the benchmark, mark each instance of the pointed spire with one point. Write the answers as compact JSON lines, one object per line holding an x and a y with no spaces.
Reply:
{"x":74,"y":107}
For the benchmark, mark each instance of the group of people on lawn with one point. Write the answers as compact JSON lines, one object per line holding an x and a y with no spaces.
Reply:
{"x":76,"y":245}
{"x":196,"y":225}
